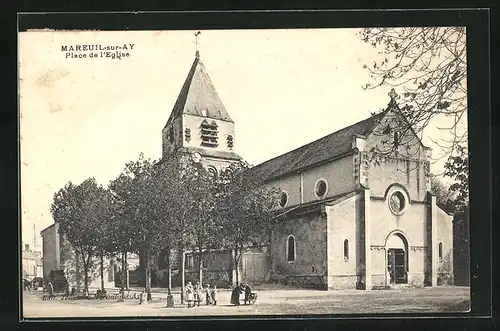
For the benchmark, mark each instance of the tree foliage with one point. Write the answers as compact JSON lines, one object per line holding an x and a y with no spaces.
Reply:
{"x":454,"y":198}
{"x":145,"y":210}
{"x":79,"y":212}
{"x":428,"y":65}
{"x":457,"y":168}
{"x":172,"y":204}
{"x":246,"y":208}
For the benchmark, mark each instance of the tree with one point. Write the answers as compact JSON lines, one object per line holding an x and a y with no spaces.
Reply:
{"x":105,"y":243}
{"x":144,"y":192}
{"x":444,"y":198}
{"x":246,"y":207}
{"x":122,"y":223}
{"x":457,"y":168}
{"x":204,"y":221}
{"x":76,"y":210}
{"x":189,"y":225}
{"x":429,"y":65}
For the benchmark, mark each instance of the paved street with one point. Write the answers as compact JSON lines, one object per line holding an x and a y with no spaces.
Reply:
{"x":270,"y":302}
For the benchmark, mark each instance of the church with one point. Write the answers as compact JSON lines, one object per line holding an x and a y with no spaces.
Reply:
{"x":357,"y":210}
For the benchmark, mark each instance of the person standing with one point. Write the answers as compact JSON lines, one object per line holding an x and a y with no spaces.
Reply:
{"x":235,"y":296}
{"x":197,"y":294}
{"x":248,"y":291}
{"x":189,"y":294}
{"x":208,"y":297}
{"x":213,"y":294}
{"x":50,"y":288}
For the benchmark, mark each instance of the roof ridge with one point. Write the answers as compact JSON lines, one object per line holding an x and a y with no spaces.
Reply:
{"x":183,"y":93}
{"x":199,"y":97}
{"x":315,"y":141}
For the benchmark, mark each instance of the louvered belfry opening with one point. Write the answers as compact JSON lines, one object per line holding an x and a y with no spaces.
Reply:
{"x":209,"y":132}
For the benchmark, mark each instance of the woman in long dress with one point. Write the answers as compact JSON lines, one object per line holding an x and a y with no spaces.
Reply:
{"x":213,"y":294}
{"x":189,"y":295}
{"x":235,"y":296}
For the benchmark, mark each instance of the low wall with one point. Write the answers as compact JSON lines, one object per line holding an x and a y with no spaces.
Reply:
{"x":344,"y":282}
{"x":304,"y":281}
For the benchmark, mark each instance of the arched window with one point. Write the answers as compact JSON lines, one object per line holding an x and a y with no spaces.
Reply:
{"x":290,"y":249}
{"x":440,"y":251}
{"x":346,"y":249}
{"x":171,"y":134}
{"x":396,"y":139}
{"x":313,"y":269}
{"x":212,"y":171}
{"x":213,"y":257}
{"x":283,"y":199}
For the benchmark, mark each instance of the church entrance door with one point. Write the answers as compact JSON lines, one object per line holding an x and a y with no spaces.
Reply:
{"x":396,"y":260}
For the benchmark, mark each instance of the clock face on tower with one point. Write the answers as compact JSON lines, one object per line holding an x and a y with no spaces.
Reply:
{"x":196,"y":157}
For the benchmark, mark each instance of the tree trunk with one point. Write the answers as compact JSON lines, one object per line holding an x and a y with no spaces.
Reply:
{"x":86,"y":277}
{"x":270,"y":243}
{"x":236,"y":265}
{"x":200,"y":269}
{"x":183,"y":280}
{"x":169,"y":271}
{"x":148,"y":276}
{"x":126,"y":272}
{"x":123,"y":276}
{"x":102,"y":271}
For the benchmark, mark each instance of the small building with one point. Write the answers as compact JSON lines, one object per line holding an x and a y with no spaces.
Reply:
{"x":31,"y":263}
{"x":57,"y":253}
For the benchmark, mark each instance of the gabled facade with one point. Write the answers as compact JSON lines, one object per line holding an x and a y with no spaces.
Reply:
{"x":358,"y":213}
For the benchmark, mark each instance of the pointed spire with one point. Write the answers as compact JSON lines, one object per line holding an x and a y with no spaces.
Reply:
{"x":198,"y":95}
{"x":197,"y":54}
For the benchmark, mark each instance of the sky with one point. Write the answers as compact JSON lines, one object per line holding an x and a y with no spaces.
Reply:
{"x":87,"y":117}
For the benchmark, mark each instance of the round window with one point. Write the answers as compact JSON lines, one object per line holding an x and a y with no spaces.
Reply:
{"x":397,"y":202}
{"x":321,"y":188}
{"x":283,"y":199}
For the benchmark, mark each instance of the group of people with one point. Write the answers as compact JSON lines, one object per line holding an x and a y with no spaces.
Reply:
{"x":193,"y":295}
{"x":240,"y":289}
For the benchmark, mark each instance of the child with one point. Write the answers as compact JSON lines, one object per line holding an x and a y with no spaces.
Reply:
{"x":197,"y":294}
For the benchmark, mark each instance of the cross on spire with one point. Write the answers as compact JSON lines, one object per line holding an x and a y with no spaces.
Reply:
{"x":196,"y":34}
{"x":392,"y":94}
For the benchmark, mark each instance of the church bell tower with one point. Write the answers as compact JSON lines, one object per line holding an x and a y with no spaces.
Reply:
{"x":199,"y":125}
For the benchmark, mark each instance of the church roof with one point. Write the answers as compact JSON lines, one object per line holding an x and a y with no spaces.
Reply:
{"x":316,"y":152}
{"x":198,"y":94}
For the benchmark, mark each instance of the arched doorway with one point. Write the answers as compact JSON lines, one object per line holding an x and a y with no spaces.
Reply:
{"x":397,"y":258}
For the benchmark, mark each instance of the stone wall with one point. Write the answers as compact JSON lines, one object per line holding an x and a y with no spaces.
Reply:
{"x":412,"y":225}
{"x":50,"y":250}
{"x":444,"y":223}
{"x":339,"y":175}
{"x":343,"y":270}
{"x":310,"y":265}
